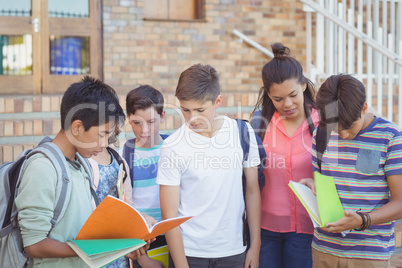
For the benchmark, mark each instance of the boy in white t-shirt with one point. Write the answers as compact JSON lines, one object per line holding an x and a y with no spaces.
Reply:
{"x":200,"y":175}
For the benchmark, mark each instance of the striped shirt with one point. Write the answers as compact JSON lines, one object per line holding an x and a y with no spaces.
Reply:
{"x":360,"y":168}
{"x":145,"y":189}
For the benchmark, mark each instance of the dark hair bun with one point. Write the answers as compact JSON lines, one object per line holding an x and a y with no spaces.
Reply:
{"x":280,"y":50}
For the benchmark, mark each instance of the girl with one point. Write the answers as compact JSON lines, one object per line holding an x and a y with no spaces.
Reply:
{"x":286,"y":117}
{"x":105,"y":167}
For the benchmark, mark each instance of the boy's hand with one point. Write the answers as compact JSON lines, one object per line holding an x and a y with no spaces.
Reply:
{"x":351,"y":220}
{"x":309,"y":183}
{"x":150,"y":221}
{"x":252,"y":258}
{"x":146,"y":261}
{"x":135,"y":255}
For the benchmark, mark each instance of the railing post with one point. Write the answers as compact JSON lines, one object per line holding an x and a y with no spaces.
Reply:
{"x":379,"y":72}
{"x":341,"y":42}
{"x":309,"y":34}
{"x":390,"y":80}
{"x":320,"y":41}
{"x":400,"y":86}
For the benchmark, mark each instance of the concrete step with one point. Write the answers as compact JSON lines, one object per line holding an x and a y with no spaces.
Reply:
{"x":396,"y":258}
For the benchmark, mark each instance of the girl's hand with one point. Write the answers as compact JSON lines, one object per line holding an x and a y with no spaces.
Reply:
{"x":309,"y":182}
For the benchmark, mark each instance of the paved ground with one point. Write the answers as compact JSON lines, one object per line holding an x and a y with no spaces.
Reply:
{"x":396,"y":259}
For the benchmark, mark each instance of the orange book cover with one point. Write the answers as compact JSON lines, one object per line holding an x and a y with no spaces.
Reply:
{"x":114,"y":219}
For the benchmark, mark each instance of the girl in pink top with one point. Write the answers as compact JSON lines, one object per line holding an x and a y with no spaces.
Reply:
{"x":287,"y":118}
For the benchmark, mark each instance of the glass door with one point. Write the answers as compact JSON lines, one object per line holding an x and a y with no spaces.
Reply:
{"x":45,"y":45}
{"x":19,"y":35}
{"x":72,"y":43}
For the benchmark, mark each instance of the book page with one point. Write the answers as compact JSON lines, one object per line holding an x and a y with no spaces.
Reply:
{"x":114,"y":219}
{"x":166,"y":225}
{"x":308,"y":200}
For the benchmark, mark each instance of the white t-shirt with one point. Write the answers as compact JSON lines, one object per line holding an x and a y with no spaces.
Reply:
{"x":209,"y":172}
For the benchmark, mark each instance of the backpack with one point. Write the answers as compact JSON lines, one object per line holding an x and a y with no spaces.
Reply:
{"x":119,"y":161}
{"x":128,"y":154}
{"x":11,"y":247}
{"x":245,"y":144}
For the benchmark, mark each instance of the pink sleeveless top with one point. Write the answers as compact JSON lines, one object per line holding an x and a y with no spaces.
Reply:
{"x":288,"y":158}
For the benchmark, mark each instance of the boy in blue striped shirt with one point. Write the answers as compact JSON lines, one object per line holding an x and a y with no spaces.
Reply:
{"x":362,"y":153}
{"x":144,"y":107}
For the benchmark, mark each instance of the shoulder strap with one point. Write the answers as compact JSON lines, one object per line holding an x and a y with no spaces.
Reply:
{"x":119,"y":160}
{"x":88,"y":169}
{"x":256,"y":121}
{"x":128,"y":155}
{"x":244,"y":138}
{"x":56,"y":157}
{"x":321,"y":141}
{"x":11,"y":172}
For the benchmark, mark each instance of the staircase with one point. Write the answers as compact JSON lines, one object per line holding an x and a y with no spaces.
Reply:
{"x":396,"y":259}
{"x":361,"y":37}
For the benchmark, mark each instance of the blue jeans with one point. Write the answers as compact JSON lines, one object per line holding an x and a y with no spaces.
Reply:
{"x":285,"y":250}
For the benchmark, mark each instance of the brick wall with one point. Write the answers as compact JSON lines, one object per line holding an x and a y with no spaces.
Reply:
{"x":156,"y":52}
{"x":25,"y":120}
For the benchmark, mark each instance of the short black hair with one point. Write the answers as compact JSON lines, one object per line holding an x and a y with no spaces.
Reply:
{"x":91,"y":101}
{"x":142,"y":98}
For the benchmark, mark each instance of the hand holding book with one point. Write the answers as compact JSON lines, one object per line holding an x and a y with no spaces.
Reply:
{"x":115,"y":229}
{"x":325,"y":206}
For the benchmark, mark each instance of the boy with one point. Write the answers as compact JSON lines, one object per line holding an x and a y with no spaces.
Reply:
{"x":200,"y":175}
{"x":144,"y":107}
{"x":362,"y":153}
{"x":89,"y":111}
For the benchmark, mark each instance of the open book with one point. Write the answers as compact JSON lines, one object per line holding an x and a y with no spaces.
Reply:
{"x":115,"y":227}
{"x":326,"y":206}
{"x":114,"y":218}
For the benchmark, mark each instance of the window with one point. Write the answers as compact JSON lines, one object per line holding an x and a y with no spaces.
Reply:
{"x":173,"y":10}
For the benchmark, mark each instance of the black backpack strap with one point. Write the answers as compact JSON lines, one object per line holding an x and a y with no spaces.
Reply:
{"x":119,"y":160}
{"x":322,"y":137}
{"x":244,"y":137}
{"x":13,"y":174}
{"x":128,"y":155}
{"x":88,"y":170}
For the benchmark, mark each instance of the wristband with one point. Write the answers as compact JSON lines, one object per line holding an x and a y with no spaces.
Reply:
{"x":362,"y":227}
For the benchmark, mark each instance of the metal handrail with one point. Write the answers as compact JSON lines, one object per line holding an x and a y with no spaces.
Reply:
{"x":253,"y":43}
{"x":355,"y":32}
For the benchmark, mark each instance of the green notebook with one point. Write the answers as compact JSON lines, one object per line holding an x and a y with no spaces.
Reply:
{"x":326,"y":206}
{"x":100,"y":252}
